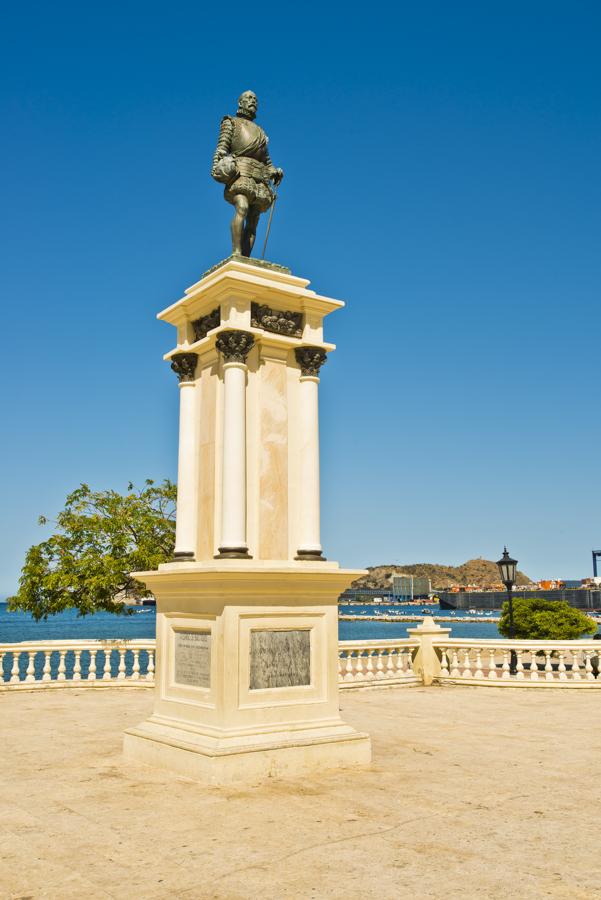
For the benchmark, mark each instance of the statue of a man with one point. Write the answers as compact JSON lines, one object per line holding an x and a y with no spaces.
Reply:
{"x":243,"y":164}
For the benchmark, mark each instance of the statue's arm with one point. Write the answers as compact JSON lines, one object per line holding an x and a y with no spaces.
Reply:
{"x":224,"y":146}
{"x":275,"y":174}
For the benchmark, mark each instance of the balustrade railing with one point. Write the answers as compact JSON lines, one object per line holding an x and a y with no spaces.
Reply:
{"x":428,"y":656}
{"x":519,"y":663}
{"x":42,"y":664}
{"x":365,"y":663}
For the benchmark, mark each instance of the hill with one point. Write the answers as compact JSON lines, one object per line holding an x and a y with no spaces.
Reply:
{"x":481,"y":572}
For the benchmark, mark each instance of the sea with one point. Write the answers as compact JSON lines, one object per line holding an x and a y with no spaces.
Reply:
{"x":141,"y":623}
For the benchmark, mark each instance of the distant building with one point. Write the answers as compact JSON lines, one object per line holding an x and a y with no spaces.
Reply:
{"x":579,"y":598}
{"x":411,"y":587}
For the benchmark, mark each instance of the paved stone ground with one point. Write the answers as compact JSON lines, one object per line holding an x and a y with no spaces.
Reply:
{"x":473,"y":793}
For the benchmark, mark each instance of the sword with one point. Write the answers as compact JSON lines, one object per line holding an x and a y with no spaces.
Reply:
{"x":275,"y":197}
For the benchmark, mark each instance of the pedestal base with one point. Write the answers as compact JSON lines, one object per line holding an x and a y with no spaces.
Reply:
{"x":222,"y":762}
{"x":246,"y":679}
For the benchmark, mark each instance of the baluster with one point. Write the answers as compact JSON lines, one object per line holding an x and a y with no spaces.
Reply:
{"x":150,"y":669}
{"x":478,"y":673}
{"x":492,"y":665}
{"x":14,"y":672}
{"x":106,"y":674}
{"x":92,"y":669}
{"x":533,"y":666}
{"x":455,"y":673}
{"x":339,"y":668}
{"x":519,"y":669}
{"x":77,"y":666}
{"x":369,"y":669}
{"x":575,"y":666}
{"x":467,"y":665}
{"x":561,"y":668}
{"x":403,"y":662}
{"x":548,"y":666}
{"x":46,"y":673}
{"x":61,"y":666}
{"x":505,"y":668}
{"x":30,"y":674}
{"x":348,"y":669}
{"x":390,"y":663}
{"x":588,"y":667}
{"x":359,"y":671}
{"x":379,"y":664}
{"x":2,"y":679}
{"x":121,"y":670}
{"x":444,"y":663}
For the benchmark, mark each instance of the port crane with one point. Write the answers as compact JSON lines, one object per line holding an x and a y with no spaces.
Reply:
{"x":596,"y":556}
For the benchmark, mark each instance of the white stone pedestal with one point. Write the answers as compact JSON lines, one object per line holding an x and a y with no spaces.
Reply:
{"x":247,"y":616}
{"x":246,"y":674}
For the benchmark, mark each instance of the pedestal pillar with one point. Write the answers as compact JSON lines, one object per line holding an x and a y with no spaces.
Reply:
{"x":310,"y":360}
{"x":184,"y":366}
{"x":235,"y":347}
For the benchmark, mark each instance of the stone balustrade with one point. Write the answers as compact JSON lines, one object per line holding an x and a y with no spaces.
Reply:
{"x":534,"y":664}
{"x":428,"y":656}
{"x":76,"y":663}
{"x":376,"y":663}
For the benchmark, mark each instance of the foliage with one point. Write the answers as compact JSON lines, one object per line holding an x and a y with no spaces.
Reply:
{"x":99,"y":539}
{"x":535,"y":618}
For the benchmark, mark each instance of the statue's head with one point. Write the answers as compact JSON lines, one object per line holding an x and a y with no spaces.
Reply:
{"x":247,"y":105}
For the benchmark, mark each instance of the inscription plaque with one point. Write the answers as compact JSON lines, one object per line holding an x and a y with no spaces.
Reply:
{"x":193,"y":658}
{"x":280,"y":659}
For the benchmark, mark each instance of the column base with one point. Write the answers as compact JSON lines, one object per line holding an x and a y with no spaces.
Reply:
{"x":183,"y":556}
{"x":187,"y":752}
{"x":233,"y":553}
{"x":312,"y":555}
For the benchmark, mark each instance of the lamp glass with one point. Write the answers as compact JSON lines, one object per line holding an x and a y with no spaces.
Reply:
{"x":507,"y":567}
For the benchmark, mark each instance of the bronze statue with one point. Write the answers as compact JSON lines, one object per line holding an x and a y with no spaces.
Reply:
{"x":243,"y":164}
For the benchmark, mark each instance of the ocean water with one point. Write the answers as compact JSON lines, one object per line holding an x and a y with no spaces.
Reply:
{"x":15,"y":627}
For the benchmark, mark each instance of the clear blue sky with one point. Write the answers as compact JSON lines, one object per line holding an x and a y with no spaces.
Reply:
{"x":442,"y":177}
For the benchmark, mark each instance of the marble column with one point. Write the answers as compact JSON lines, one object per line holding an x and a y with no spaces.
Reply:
{"x":184,"y":366}
{"x":310,"y":360}
{"x":235,"y":347}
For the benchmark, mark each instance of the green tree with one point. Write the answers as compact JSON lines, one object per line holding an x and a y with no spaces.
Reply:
{"x":100,"y":537}
{"x":535,"y":618}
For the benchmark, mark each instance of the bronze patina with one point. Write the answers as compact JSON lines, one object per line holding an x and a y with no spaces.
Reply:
{"x":243,"y":164}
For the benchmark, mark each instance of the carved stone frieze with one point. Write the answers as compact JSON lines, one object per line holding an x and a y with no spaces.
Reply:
{"x":184,"y":365}
{"x":203,"y":325}
{"x":310,"y":360}
{"x":235,"y":345}
{"x":280,"y":321}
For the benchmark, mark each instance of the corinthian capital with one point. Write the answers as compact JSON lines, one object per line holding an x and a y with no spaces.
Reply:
{"x":235,"y":345}
{"x":310,"y":360}
{"x":184,"y":365}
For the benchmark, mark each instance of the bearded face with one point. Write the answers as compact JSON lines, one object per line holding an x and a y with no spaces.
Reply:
{"x":247,"y":105}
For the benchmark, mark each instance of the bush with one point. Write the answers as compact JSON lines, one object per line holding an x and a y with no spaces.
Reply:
{"x":535,"y":618}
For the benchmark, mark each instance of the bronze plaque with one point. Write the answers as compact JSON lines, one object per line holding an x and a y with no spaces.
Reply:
{"x":280,"y":658}
{"x":193,"y":658}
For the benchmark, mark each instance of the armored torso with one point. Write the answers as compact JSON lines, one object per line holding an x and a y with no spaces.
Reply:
{"x":242,"y":162}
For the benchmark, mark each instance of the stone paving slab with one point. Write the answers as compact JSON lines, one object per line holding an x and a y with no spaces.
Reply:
{"x":473,"y":793}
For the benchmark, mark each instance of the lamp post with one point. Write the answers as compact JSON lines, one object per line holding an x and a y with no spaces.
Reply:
{"x":507,"y":567}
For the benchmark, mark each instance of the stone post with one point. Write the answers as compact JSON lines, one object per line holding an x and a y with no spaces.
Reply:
{"x":235,"y":347}
{"x":184,"y":366}
{"x":427,"y":660}
{"x":310,"y":360}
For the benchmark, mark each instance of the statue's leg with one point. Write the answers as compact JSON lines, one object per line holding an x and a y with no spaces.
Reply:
{"x":237,"y":226}
{"x":250,"y":230}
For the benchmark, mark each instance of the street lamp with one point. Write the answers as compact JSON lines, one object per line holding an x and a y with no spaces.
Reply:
{"x":507,"y":567}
